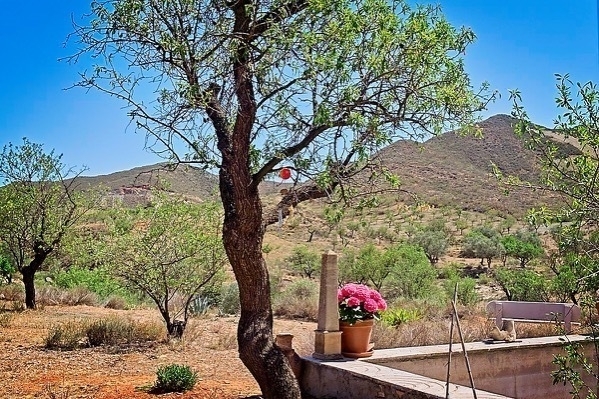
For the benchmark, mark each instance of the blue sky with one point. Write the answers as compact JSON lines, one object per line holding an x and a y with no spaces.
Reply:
{"x":521,"y":44}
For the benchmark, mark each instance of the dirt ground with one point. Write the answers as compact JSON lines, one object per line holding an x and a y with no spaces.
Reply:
{"x":28,"y":370}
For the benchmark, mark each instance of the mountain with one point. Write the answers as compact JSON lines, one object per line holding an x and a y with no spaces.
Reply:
{"x":456,"y":170}
{"x":449,"y":169}
{"x":133,"y":185}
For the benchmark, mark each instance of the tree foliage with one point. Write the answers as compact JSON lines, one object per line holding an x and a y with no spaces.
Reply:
{"x":304,"y":261}
{"x":570,"y":170}
{"x":38,"y":206}
{"x":433,"y":239}
{"x":483,"y":243}
{"x":248,"y":87}
{"x":171,"y":251}
{"x":523,"y":285}
{"x":6,"y":269}
{"x":524,"y":246}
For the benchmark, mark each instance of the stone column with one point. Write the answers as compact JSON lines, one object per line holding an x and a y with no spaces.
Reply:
{"x":327,"y":343}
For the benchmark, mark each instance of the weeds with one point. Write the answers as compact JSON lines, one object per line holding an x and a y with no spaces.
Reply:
{"x":5,"y":319}
{"x":175,"y":378}
{"x":111,"y":331}
{"x":67,"y":336}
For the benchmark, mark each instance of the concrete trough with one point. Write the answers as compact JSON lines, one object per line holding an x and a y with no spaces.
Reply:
{"x":500,"y":370}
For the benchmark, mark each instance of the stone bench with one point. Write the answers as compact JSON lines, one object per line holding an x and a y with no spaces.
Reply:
{"x":534,"y":312}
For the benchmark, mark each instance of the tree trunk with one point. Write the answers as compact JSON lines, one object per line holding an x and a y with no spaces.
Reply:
{"x":242,"y":236}
{"x":28,"y":280}
{"x":28,"y":273}
{"x":176,"y":328}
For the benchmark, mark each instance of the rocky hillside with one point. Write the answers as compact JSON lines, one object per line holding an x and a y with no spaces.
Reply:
{"x":449,"y":169}
{"x":457,"y":170}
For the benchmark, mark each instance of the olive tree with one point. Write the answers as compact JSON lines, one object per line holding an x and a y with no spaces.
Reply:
{"x":38,"y":206}
{"x":246,"y":87}
{"x":570,"y":161}
{"x":171,"y":251}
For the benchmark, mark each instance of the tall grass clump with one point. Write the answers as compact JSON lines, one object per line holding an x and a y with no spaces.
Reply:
{"x":298,"y":300}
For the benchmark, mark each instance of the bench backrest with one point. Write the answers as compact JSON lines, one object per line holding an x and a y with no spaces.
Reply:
{"x":541,"y":311}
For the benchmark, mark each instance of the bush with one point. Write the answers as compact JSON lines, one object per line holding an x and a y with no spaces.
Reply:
{"x":13,"y":292}
{"x":47,"y":295}
{"x":175,"y":378}
{"x":116,"y":302}
{"x":109,"y":331}
{"x":466,"y":285}
{"x":522,"y":285}
{"x":120,"y":331}
{"x":298,"y":300}
{"x":229,"y":301}
{"x":304,"y":261}
{"x":6,"y":269}
{"x":5,"y":319}
{"x":67,"y":336}
{"x":97,"y":281}
{"x":412,"y":274}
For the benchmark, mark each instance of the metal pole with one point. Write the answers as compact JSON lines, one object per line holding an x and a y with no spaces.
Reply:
{"x":453,"y":316}
{"x":455,"y":311}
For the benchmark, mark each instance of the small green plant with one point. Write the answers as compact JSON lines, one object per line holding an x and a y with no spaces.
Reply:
{"x":6,"y":269}
{"x":229,"y":301}
{"x":199,"y":306}
{"x":398,"y":316}
{"x":175,"y":378}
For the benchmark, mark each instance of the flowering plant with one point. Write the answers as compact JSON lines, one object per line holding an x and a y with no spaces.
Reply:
{"x":358,"y":302}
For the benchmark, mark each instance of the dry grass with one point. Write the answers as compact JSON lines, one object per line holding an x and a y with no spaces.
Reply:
{"x":109,"y":331}
{"x":49,"y":296}
{"x":5,"y":319}
{"x":475,"y":326}
{"x":12,"y":292}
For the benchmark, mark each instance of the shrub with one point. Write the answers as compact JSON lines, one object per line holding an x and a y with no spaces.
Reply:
{"x":13,"y":292}
{"x":6,"y":269}
{"x":175,"y":378}
{"x":466,"y":289}
{"x":298,"y":300}
{"x":121,"y":331}
{"x":304,"y":261}
{"x":466,"y":285}
{"x":522,"y":285}
{"x":47,"y":295}
{"x":67,"y":336}
{"x":5,"y":319}
{"x":229,"y":301}
{"x":97,"y":281}
{"x":413,"y":276}
{"x":116,"y":302}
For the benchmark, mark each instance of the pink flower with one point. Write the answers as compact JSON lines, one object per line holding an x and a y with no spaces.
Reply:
{"x":370,"y":305}
{"x":374,"y":294}
{"x":348,"y":290}
{"x":353,"y":302}
{"x":382,"y":305}
{"x":362,"y":292}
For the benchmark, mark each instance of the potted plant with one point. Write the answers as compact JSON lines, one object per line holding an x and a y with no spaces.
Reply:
{"x":359,"y":306}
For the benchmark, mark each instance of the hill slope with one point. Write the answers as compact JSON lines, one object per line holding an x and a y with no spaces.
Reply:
{"x":455,"y":170}
{"x":446,"y":170}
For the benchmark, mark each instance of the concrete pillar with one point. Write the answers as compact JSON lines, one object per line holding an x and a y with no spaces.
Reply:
{"x":327,"y":342}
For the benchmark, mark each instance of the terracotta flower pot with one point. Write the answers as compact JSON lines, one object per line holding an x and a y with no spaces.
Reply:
{"x":355,"y":340}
